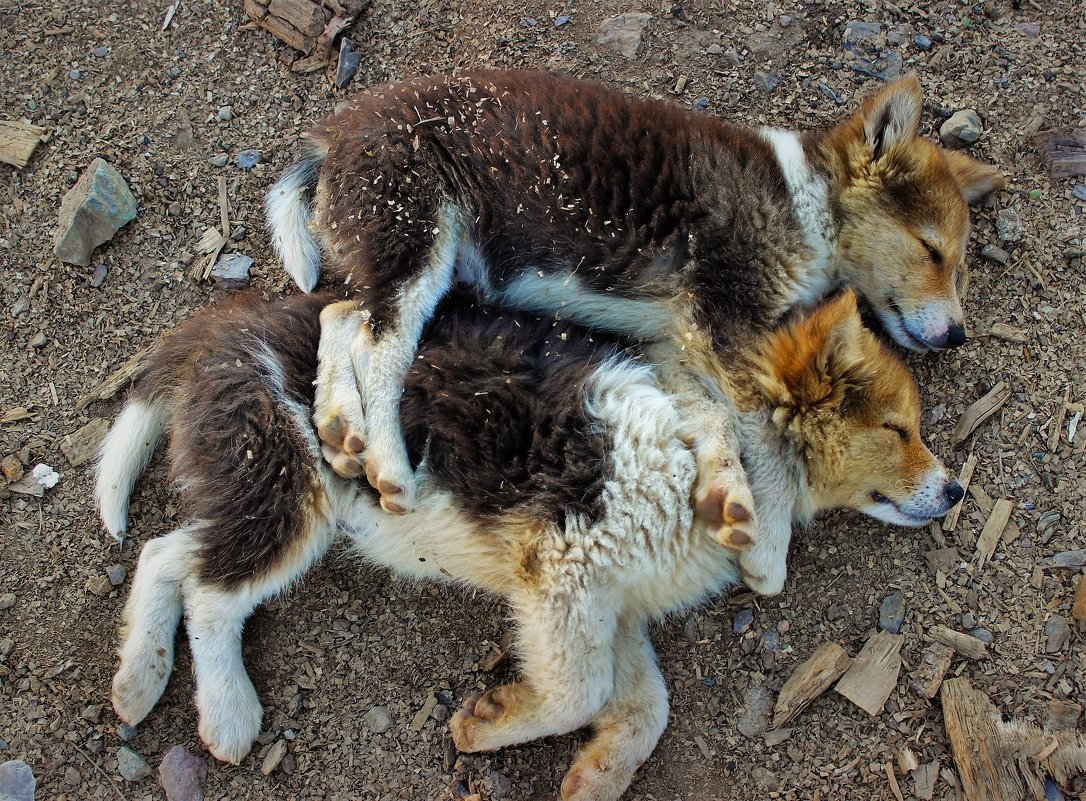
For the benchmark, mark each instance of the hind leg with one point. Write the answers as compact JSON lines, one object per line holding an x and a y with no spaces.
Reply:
{"x":627,"y":728}
{"x":228,"y":705}
{"x":359,"y":420}
{"x":151,"y":616}
{"x":564,"y":643}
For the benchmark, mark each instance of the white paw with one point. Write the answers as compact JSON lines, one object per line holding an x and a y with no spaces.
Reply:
{"x":230,"y":717}
{"x":139,"y":683}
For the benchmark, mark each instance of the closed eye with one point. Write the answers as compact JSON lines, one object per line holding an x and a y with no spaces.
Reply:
{"x":901,"y":432}
{"x":933,"y":253}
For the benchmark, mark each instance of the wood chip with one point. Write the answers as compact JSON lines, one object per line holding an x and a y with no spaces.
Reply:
{"x":18,"y":140}
{"x":892,"y":780}
{"x":993,"y":530}
{"x":117,"y":380}
{"x":274,"y":757}
{"x":1064,"y":151}
{"x":980,"y":411}
{"x":1004,"y":761}
{"x":1056,"y":428}
{"x":81,"y":446}
{"x":809,"y":681}
{"x":1078,"y":611}
{"x":964,"y":644}
{"x":906,"y":761}
{"x":924,"y":779}
{"x":17,"y":414}
{"x":423,"y":714}
{"x":933,"y":667}
{"x":965,"y":475}
{"x":1008,"y":332}
{"x":27,"y":485}
{"x":874,"y":673}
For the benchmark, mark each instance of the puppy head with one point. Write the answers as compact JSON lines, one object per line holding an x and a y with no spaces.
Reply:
{"x":904,"y":218}
{"x":853,"y":408}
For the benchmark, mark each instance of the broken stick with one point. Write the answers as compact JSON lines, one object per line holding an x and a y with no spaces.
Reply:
{"x":809,"y":681}
{"x":964,"y":477}
{"x":980,"y":411}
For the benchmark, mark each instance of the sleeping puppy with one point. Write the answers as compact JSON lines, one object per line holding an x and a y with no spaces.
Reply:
{"x":637,"y":217}
{"x":554,"y":471}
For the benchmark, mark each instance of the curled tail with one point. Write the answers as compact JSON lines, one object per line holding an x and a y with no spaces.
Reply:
{"x":287,"y":207}
{"x":124,"y":455}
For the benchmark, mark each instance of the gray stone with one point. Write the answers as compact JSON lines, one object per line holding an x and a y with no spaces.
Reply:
{"x":1028,"y":29}
{"x":983,"y":635}
{"x":181,"y":774}
{"x":1079,"y":191}
{"x":994,"y":254}
{"x":857,"y":31}
{"x":378,"y":719}
{"x":892,"y":612}
{"x":922,"y":42}
{"x":116,"y":574}
{"x":126,"y":732}
{"x":17,"y":782}
{"x":7,"y":645}
{"x":1009,"y":226}
{"x":91,"y":212}
{"x":231,"y":271}
{"x":7,"y":600}
{"x":767,"y":82}
{"x":247,"y":159}
{"x":349,"y":59}
{"x":219,"y":160}
{"x":226,"y":113}
{"x":623,"y":33}
{"x":742,"y":620}
{"x":1057,"y":634}
{"x":963,"y":128}
{"x":93,"y":713}
{"x":131,"y":765}
{"x":757,"y":703}
{"x":714,"y":50}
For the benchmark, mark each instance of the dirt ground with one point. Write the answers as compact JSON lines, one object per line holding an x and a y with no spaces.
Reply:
{"x":107,"y":81}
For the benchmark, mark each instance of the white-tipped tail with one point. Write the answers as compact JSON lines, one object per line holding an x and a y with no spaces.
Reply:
{"x":288,"y":213}
{"x":122,"y":458}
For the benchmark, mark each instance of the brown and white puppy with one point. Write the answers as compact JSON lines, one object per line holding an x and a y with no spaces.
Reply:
{"x":636,"y":216}
{"x":553,"y":471}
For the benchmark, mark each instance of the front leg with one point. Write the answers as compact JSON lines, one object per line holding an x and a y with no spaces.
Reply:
{"x":722,"y":493}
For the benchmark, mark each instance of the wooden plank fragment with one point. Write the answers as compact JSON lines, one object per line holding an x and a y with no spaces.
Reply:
{"x":809,"y":681}
{"x":81,"y":446}
{"x":1008,"y":332}
{"x":964,"y":644}
{"x":993,"y":530}
{"x":1064,"y":151}
{"x":980,"y":411}
{"x":1005,"y":761}
{"x":18,"y":140}
{"x":116,"y":381}
{"x":924,"y":778}
{"x":423,"y":714}
{"x":964,"y":477}
{"x":1078,"y":611}
{"x":874,"y":673}
{"x":936,"y":662}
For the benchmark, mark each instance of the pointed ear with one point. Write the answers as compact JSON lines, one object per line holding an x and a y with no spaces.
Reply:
{"x":814,"y":360}
{"x":973,"y":177}
{"x":892,"y":117}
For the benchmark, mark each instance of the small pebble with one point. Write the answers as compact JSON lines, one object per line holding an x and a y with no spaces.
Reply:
{"x":226,"y":113}
{"x":767,"y":82}
{"x":1028,"y":29}
{"x":219,"y":160}
{"x":529,"y":22}
{"x":126,"y":732}
{"x":231,"y":271}
{"x":93,"y":713}
{"x":1079,"y":191}
{"x":1009,"y":226}
{"x":247,"y":159}
{"x":983,"y":635}
{"x":440,"y":713}
{"x":98,"y":276}
{"x":131,"y":765}
{"x":101,"y":52}
{"x":99,"y":585}
{"x":17,"y":782}
{"x":74,"y":75}
{"x":378,"y":719}
{"x":116,"y":574}
{"x":922,"y":42}
{"x":38,"y":340}
{"x":7,"y":645}
{"x":7,"y":600}
{"x":72,"y":777}
{"x":743,"y":620}
{"x":714,"y":50}
{"x":702,"y":103}
{"x":348,"y":62}
{"x":785,"y":20}
{"x":561,"y":20}
{"x":175,"y":72}
{"x":1057,"y":634}
{"x":963,"y":128}
{"x":994,"y":254}
{"x":892,"y":612}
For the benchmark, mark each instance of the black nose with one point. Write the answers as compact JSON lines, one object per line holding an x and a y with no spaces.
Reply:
{"x":954,"y":492}
{"x":955,"y":336}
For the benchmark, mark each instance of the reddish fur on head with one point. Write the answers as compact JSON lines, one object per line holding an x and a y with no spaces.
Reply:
{"x":903,"y":215}
{"x":854,"y":409}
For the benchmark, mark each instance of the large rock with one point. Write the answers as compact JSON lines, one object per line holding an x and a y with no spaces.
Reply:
{"x":623,"y":33}
{"x":17,"y":781}
{"x":963,"y":128}
{"x":91,"y":212}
